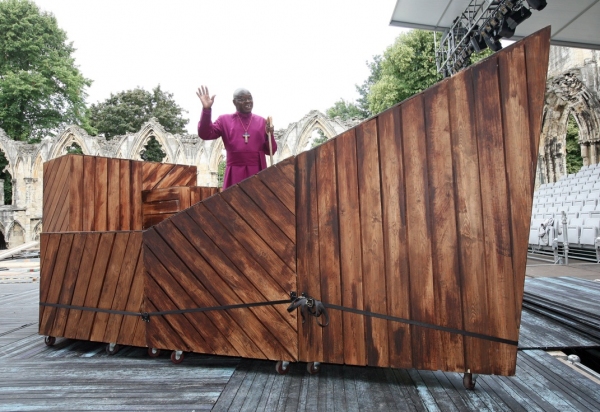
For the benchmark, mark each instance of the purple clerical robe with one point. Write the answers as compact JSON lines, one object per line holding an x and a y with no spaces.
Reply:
{"x":243,"y":159}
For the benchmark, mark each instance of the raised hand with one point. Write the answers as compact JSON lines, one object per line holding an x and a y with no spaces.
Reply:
{"x":204,"y":97}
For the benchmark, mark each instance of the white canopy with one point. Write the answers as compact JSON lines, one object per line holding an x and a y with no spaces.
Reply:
{"x":575,"y":23}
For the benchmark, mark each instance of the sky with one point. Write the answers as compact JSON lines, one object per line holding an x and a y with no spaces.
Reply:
{"x":293,"y":56}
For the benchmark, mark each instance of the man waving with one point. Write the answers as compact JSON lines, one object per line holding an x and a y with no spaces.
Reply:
{"x":245,"y":135}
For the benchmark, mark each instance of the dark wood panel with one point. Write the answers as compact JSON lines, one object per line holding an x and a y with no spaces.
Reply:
{"x":75,"y":219}
{"x":167,"y":206}
{"x":123,"y":288}
{"x":136,"y":195}
{"x":447,"y":290}
{"x":113,"y":194}
{"x":310,"y":345}
{"x":82,"y":283}
{"x":281,"y":182}
{"x":469,"y":220}
{"x":497,"y":240}
{"x":329,"y":250}
{"x":89,"y":186}
{"x":153,"y":173}
{"x":58,"y":198}
{"x":94,"y":289}
{"x":179,"y":175}
{"x":133,"y":328}
{"x":393,"y":198}
{"x":124,"y":195}
{"x":49,"y":244}
{"x":425,"y":342}
{"x":374,"y":285}
{"x":101,"y":194}
{"x":350,"y":249}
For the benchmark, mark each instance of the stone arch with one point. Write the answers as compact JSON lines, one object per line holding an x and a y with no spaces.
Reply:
{"x":216,"y":154}
{"x":3,"y":242}
{"x":150,"y":129}
{"x":37,"y":230}
{"x":16,"y":234}
{"x":565,"y":95}
{"x":37,"y":171}
{"x":318,"y":121}
{"x":72,"y":134}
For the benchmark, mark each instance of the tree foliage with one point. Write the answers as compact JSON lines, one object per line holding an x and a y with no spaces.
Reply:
{"x":407,"y":68}
{"x":221,"y":172}
{"x":41,"y":88}
{"x":574,"y":159}
{"x":319,"y":139}
{"x":153,"y":151}
{"x":127,"y":111}
{"x":74,"y":148}
{"x":345,"y":110}
{"x":5,"y":175}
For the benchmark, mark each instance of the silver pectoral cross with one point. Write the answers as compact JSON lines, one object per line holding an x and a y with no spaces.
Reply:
{"x":246,"y":136}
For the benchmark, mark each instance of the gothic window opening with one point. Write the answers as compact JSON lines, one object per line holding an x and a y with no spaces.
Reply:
{"x":573,"y":147}
{"x":153,"y":151}
{"x":6,"y":177}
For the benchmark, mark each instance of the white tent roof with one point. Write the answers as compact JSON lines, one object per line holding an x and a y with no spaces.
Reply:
{"x":575,"y":23}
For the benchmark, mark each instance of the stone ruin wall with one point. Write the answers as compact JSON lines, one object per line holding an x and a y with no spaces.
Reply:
{"x":22,"y":221}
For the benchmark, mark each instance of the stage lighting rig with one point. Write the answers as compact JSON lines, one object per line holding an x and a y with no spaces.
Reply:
{"x":481,"y":25}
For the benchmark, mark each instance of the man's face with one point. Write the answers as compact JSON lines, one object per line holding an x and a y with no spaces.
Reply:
{"x":243,"y":103}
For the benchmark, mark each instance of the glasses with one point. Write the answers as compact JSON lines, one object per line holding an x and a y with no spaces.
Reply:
{"x":245,"y":100}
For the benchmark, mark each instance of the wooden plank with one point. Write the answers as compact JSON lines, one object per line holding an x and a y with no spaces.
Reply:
{"x":262,"y":225}
{"x":94,"y":290}
{"x":248,"y":238}
{"x":75,"y":221}
{"x":393,"y":197}
{"x":196,"y":194}
{"x":492,"y":169}
{"x":62,"y":256}
{"x":469,"y":219}
{"x":197,"y":282}
{"x":68,"y":283}
{"x":124,"y":283}
{"x":193,"y":330}
{"x":350,"y":248}
{"x":161,"y":195}
{"x":82,"y":283}
{"x":151,"y":220}
{"x":124,"y":194}
{"x":128,"y":334}
{"x":113,"y":202}
{"x":229,"y":287}
{"x":310,"y":347}
{"x":275,"y":286}
{"x":156,"y":208}
{"x":329,"y":250}
{"x":374,"y":285}
{"x":425,"y":342}
{"x":179,"y":175}
{"x":48,"y":173}
{"x":273,"y":207}
{"x":153,"y":173}
{"x":136,"y":195}
{"x":288,"y":168}
{"x":279,"y":181}
{"x":446,"y":284}
{"x":59,"y":199}
{"x":89,"y":185}
{"x":520,"y":165}
{"x":101,"y":194}
{"x":109,"y":286}
{"x":49,"y":248}
{"x":184,"y":198}
{"x":51,"y":176}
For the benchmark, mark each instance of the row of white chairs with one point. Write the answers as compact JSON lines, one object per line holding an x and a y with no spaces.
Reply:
{"x":581,"y":231}
{"x":580,"y":198}
{"x":575,"y":187}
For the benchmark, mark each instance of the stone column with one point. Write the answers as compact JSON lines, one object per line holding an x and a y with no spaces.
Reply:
{"x":584,"y":154}
{"x":593,"y":153}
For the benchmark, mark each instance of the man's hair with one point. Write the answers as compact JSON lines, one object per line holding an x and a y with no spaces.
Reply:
{"x":239,"y":92}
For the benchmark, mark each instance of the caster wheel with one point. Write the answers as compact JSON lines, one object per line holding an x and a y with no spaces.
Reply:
{"x":282,"y":367}
{"x":153,"y":352}
{"x":112,"y":348}
{"x":313,"y":367}
{"x":177,"y":356}
{"x":469,"y":381}
{"x":49,"y":340}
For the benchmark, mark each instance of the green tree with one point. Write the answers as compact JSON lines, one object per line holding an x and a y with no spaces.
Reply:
{"x":5,"y":175}
{"x":152,"y":151}
{"x":221,"y":172}
{"x":365,"y":89}
{"x":408,"y":67}
{"x":574,"y":159}
{"x":127,"y":111}
{"x":320,"y":139}
{"x":41,"y":88}
{"x":345,"y":110}
{"x":74,"y":149}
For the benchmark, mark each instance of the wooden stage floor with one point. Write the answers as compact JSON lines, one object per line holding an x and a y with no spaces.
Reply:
{"x":77,"y":375}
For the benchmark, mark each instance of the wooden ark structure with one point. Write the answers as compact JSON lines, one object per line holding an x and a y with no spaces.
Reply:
{"x":411,"y":228}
